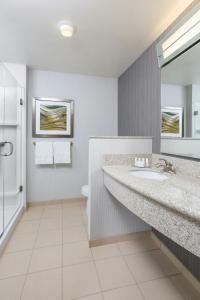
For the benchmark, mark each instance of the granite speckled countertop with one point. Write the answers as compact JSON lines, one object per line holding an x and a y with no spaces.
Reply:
{"x":178,"y":192}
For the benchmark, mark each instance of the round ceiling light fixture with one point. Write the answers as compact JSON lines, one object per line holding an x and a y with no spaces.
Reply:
{"x":67,"y":29}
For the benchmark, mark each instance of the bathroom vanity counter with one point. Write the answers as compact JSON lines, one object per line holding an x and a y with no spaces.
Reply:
{"x":171,"y":206}
{"x":180,"y":193}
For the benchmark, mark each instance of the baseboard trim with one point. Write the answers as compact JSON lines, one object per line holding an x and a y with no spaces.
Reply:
{"x":54,"y":202}
{"x":179,"y":265}
{"x":118,"y":238}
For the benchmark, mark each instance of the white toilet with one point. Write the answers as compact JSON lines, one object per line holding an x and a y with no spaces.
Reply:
{"x":85,"y":190}
{"x":85,"y":193}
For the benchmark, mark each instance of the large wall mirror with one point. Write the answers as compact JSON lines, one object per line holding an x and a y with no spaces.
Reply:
{"x":180,"y":104}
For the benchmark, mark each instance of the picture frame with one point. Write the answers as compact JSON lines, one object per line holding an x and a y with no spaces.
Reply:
{"x":172,"y":122}
{"x":52,"y":118}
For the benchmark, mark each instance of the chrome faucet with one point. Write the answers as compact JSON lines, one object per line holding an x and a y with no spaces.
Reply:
{"x":167,"y":166}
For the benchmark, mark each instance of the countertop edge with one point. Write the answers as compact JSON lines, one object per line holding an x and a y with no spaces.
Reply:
{"x":121,"y":137}
{"x":149,"y":198}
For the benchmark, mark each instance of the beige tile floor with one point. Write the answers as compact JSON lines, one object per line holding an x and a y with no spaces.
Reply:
{"x":48,"y":258}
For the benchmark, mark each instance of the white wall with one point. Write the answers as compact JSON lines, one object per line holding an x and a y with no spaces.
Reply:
{"x":19,"y":71}
{"x":173,"y":95}
{"x":95,"y":107}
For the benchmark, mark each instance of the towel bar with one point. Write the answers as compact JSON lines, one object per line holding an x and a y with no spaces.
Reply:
{"x":34,"y":143}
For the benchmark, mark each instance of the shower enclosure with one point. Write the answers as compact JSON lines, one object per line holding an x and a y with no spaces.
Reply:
{"x":11,"y":95}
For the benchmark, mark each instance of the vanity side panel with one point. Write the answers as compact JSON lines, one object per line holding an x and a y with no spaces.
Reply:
{"x":107,"y":217}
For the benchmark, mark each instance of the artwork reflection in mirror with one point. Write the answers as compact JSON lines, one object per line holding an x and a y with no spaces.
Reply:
{"x":180,"y":105}
{"x":172,"y":121}
{"x":181,"y":89}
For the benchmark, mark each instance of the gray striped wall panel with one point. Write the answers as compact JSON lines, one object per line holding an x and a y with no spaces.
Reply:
{"x":139,"y":105}
{"x":139,"y":92}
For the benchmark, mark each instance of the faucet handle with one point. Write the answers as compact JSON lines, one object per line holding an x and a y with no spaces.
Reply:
{"x":165,"y":161}
{"x":168,"y":167}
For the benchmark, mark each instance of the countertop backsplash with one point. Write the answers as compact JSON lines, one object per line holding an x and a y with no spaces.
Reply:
{"x":124,"y":159}
{"x":183,"y":167}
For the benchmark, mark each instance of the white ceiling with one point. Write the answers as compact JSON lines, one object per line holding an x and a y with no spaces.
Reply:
{"x":185,"y":69}
{"x":111,"y":34}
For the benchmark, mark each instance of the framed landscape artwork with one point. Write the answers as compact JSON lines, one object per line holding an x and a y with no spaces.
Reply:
{"x":172,"y":122}
{"x":52,"y":117}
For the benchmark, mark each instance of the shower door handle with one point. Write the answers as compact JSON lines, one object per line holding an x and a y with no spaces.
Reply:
{"x":2,"y":144}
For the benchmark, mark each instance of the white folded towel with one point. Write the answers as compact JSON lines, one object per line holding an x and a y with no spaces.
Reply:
{"x":44,"y":153}
{"x":62,"y":152}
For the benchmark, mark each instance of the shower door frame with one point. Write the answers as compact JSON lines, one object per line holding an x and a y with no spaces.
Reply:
{"x":15,"y":69}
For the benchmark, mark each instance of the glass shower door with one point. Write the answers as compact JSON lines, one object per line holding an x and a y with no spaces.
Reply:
{"x":10,"y":147}
{"x":1,"y":145}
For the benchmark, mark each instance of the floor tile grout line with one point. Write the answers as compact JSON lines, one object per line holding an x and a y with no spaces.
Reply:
{"x":169,"y":276}
{"x":27,"y":272}
{"x":41,"y":271}
{"x":180,"y":290}
{"x":79,"y":298}
{"x":98,"y":278}
{"x":123,"y":256}
{"x":138,"y":252}
{"x":82,"y":262}
{"x":161,"y":278}
{"x":129,"y":269}
{"x":18,"y":251}
{"x":34,"y":272}
{"x":177,"y":288}
{"x":76,"y":242}
{"x":79,"y":263}
{"x":158,"y":278}
{"x":143,"y":296}
{"x":102,"y":290}
{"x":13,"y":276}
{"x":152,"y":250}
{"x":107,"y":258}
{"x":62,"y":258}
{"x":62,"y":295}
{"x":117,"y":245}
{"x":136,"y":283}
{"x":96,"y":271}
{"x":57,"y":244}
{"x":36,"y":232}
{"x":35,"y":248}
{"x":121,"y":287}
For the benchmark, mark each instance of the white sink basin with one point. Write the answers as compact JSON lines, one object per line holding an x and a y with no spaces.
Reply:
{"x":148,"y":174}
